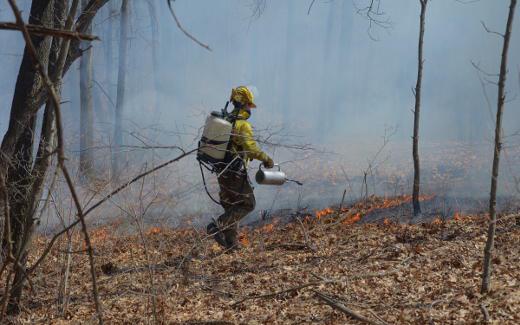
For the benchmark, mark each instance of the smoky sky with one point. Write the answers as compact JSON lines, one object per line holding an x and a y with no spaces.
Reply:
{"x":328,"y":75}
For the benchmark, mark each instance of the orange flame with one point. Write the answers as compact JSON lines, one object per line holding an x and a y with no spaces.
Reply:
{"x":377,"y":204}
{"x":324,"y":212}
{"x":268,"y":228}
{"x":353,"y":219}
{"x":437,"y":221}
{"x":153,"y":231}
{"x":243,"y":239}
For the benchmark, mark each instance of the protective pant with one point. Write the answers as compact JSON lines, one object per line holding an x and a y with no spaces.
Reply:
{"x":237,"y":199}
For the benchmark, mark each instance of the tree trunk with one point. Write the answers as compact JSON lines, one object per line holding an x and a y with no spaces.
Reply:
{"x":24,"y":179}
{"x":488,"y":250}
{"x":417,"y":112}
{"x":17,"y":145}
{"x":120,"y":103}
{"x":26,"y":97}
{"x":108,"y":46}
{"x":86,"y":160}
{"x":155,"y":59}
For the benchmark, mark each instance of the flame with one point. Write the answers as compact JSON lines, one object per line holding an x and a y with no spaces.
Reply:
{"x":324,"y":212}
{"x":243,"y":239}
{"x":353,"y":219}
{"x":153,"y":231}
{"x":268,"y":228}
{"x":457,"y":216}
{"x":376,"y":204}
{"x":437,"y":221}
{"x":387,"y":222}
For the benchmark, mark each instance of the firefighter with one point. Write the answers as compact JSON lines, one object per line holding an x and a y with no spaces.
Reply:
{"x":236,"y":194}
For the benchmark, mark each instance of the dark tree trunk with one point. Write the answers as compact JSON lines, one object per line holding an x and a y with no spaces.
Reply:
{"x":488,"y":250}
{"x":27,"y":94}
{"x":121,"y":78}
{"x":17,"y":145}
{"x":417,"y":112}
{"x":86,"y":160}
{"x":24,"y":180}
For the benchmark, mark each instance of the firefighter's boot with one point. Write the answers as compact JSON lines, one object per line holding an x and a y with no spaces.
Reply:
{"x":213,"y":230}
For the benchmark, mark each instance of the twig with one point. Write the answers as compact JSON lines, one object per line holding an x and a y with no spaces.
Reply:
{"x":490,"y":31}
{"x":277,"y":293}
{"x":485,"y":312}
{"x":308,"y":242}
{"x":435,"y":302}
{"x":341,"y":204}
{"x":310,"y":7}
{"x":105,"y":93}
{"x":142,"y":212}
{"x":47,"y":31}
{"x":338,"y":306}
{"x":183,"y":30}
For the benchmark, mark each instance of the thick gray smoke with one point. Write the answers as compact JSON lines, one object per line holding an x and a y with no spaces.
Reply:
{"x":326,"y":78}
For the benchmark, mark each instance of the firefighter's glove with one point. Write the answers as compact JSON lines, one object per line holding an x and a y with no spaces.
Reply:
{"x":268,"y":163}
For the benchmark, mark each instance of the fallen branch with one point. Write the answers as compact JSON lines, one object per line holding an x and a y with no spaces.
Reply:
{"x":485,"y":312}
{"x":281,"y":292}
{"x":47,"y":31}
{"x":323,"y":280}
{"x":338,"y":306}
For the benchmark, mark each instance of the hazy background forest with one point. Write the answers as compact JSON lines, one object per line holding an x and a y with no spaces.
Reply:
{"x":326,"y":79}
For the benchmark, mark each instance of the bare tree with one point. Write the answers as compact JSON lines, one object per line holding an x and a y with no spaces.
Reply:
{"x":488,"y":250}
{"x":416,"y":113}
{"x":47,"y":58}
{"x":121,"y":78}
{"x":86,"y":159}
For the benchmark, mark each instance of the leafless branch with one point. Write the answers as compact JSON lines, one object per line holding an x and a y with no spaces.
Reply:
{"x":375,"y":15}
{"x":47,"y":31}
{"x":310,"y":7}
{"x":338,"y":306}
{"x":477,"y":66}
{"x":490,"y":31}
{"x":105,"y":93}
{"x":258,"y":8}
{"x":184,"y":30}
{"x":486,"y":96}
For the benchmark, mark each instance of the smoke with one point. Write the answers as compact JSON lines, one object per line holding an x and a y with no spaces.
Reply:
{"x":319,"y":78}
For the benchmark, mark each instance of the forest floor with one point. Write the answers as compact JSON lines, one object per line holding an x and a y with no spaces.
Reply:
{"x":388,"y":273}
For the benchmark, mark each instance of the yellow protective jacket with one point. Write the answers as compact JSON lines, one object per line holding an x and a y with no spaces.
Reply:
{"x":243,"y":142}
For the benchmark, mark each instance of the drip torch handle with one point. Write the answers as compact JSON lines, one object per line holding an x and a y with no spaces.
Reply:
{"x":275,"y":165}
